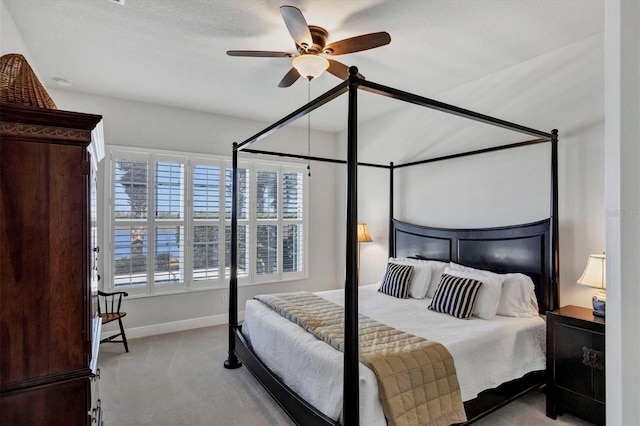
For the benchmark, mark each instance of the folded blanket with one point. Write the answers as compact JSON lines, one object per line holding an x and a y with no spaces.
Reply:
{"x":416,"y":377}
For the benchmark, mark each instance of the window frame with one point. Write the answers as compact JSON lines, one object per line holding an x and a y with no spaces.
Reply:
{"x":190,"y":161}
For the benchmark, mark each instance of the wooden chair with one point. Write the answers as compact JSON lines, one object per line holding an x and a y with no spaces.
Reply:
{"x":109,"y":310}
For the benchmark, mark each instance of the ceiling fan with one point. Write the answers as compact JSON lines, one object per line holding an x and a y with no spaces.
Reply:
{"x":311,"y":42}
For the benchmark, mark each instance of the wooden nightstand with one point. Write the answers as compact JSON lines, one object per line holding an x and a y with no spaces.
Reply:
{"x":576,"y":364}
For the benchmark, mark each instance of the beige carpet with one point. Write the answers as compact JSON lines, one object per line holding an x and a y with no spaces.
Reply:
{"x":178,"y":379}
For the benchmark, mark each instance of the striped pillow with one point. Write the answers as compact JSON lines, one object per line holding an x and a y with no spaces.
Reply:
{"x":456,"y":296}
{"x":396,"y":280}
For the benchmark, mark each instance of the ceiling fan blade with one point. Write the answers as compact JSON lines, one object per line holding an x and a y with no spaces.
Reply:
{"x":358,"y":43}
{"x":289,"y":78}
{"x":259,"y":54}
{"x":340,"y":70}
{"x":297,"y":26}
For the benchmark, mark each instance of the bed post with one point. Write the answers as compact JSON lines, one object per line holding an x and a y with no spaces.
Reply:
{"x":233,"y":361}
{"x":392,"y":245}
{"x":555,"y":250}
{"x":351,"y":398}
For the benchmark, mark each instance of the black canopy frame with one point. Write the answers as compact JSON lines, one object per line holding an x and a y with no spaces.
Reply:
{"x":296,"y":407}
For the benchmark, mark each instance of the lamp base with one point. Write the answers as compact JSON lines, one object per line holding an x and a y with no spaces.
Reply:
{"x":598,"y":307}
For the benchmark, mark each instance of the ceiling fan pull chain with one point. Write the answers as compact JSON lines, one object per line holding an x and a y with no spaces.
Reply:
{"x":309,"y":128}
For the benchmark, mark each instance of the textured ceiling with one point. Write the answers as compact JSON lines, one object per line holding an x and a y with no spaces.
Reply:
{"x":174,"y":52}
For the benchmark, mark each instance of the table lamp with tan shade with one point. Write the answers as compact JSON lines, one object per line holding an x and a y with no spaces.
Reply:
{"x":363,"y":237}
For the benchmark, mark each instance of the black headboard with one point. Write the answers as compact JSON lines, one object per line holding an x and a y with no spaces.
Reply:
{"x":520,"y":248}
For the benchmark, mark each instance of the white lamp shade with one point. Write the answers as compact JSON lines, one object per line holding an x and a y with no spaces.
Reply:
{"x":595,"y":274}
{"x":310,"y":66}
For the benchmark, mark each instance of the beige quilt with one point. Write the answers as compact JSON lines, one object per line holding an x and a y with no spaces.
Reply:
{"x":417,"y":379}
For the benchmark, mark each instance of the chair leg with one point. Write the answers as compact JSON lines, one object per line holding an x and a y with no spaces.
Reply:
{"x":124,"y":337}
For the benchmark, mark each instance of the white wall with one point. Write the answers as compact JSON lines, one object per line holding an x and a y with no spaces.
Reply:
{"x":144,"y":125}
{"x":622,"y":149}
{"x":562,"y":89}
{"x":11,"y":40}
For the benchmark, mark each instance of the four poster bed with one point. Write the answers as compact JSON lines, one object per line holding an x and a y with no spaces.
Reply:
{"x":305,"y":384}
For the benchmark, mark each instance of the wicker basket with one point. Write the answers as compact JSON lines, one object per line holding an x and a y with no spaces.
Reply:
{"x":19,"y":84}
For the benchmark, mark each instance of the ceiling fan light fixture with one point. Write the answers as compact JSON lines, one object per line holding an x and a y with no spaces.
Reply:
{"x":310,"y":66}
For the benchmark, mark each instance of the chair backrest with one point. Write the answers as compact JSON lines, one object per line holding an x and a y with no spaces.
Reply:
{"x":109,"y":303}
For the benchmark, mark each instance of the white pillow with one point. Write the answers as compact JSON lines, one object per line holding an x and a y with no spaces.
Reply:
{"x":490,"y":291}
{"x":420,"y":278}
{"x":518,"y":297}
{"x":437,"y":269}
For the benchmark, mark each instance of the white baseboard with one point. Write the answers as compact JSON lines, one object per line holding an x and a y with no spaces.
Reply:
{"x":171,"y":327}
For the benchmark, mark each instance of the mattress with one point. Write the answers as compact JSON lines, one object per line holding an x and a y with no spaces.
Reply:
{"x":486,"y":352}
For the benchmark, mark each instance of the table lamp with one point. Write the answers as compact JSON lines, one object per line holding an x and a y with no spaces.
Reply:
{"x":595,"y":276}
{"x":363,"y":237}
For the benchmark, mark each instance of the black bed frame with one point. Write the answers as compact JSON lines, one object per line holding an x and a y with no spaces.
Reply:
{"x":530,"y":248}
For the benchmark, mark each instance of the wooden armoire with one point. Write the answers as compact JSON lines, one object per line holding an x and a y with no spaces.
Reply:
{"x":47,"y":316}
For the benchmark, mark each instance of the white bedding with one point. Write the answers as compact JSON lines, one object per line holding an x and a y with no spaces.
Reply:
{"x":486,"y":352}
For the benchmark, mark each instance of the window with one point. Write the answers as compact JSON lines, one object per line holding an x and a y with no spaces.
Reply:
{"x":206,"y":222}
{"x":183,"y":242}
{"x":292,"y":230}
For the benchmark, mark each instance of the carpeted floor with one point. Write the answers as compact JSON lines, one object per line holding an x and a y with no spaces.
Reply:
{"x":178,"y":379}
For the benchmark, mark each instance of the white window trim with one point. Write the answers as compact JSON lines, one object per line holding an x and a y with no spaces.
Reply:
{"x":190,"y":160}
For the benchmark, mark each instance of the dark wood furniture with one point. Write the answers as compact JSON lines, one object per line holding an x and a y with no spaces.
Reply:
{"x":576,"y":364}
{"x":520,"y":248}
{"x":46,"y":303}
{"x":239,"y":349}
{"x":109,"y":310}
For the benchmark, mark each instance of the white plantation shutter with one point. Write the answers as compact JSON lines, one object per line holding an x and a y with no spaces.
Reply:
{"x":266,"y":194}
{"x":206,"y":250}
{"x":130,"y":246}
{"x":292,"y":214}
{"x":266,"y":214}
{"x":130,"y":230}
{"x":169,"y":197}
{"x":169,"y":180}
{"x":206,"y":223}
{"x":206,"y":192}
{"x":267,"y":249}
{"x":292,"y":248}
{"x":169,"y":259}
{"x":131,"y":188}
{"x":170,"y":226}
{"x":292,"y":195}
